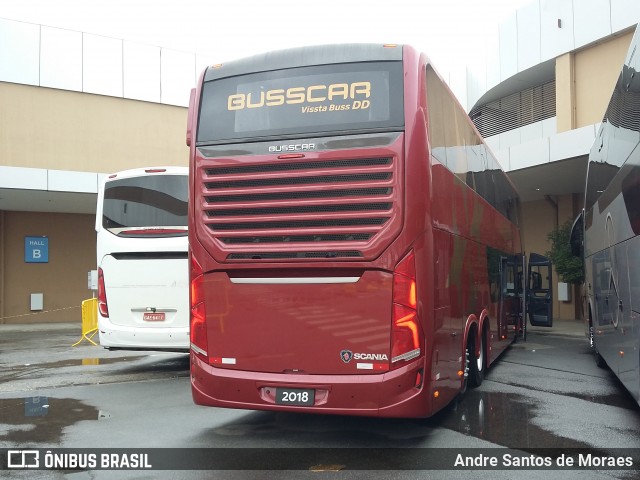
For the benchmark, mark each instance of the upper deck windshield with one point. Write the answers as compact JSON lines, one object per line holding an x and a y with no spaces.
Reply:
{"x":146,"y":205}
{"x":301,"y":101}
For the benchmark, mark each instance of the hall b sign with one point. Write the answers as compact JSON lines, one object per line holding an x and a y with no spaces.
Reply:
{"x":36,"y":249}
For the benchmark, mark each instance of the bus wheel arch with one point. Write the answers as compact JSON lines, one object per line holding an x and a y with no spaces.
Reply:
{"x":484,"y":339}
{"x":475,"y":353}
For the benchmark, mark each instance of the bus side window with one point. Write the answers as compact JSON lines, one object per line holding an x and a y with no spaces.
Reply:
{"x":536,"y":281}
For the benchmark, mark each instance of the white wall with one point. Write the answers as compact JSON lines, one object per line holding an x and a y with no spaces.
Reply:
{"x":543,"y":30}
{"x":520,"y":148}
{"x":69,"y":60}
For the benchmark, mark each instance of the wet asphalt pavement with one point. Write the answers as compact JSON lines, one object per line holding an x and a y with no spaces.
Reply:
{"x":545,"y":393}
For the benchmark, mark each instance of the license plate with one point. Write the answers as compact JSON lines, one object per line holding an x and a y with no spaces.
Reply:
{"x":295,"y":396}
{"x":153,"y":317}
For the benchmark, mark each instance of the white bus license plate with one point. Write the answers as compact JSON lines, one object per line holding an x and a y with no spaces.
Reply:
{"x":153,"y":316}
{"x":295,"y":396}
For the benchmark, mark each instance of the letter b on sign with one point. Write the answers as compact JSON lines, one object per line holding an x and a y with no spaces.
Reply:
{"x":36,"y":249}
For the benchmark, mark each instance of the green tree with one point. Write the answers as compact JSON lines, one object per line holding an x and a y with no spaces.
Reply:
{"x":569,"y":268}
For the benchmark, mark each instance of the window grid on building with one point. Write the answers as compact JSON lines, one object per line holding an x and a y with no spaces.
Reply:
{"x":516,"y":110}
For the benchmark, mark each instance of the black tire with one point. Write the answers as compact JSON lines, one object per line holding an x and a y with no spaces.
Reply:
{"x":465,"y":382}
{"x":476,"y":366}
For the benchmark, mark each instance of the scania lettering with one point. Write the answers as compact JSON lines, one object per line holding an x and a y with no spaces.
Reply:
{"x":369,"y":356}
{"x":377,"y":273}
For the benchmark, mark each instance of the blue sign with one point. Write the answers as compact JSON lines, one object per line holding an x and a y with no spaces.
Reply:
{"x":36,"y":249}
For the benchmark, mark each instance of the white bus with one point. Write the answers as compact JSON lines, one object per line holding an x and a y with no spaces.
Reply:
{"x":141,"y":225}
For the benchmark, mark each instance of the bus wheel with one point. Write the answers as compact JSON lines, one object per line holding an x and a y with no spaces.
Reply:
{"x":465,"y":382}
{"x":475,"y":364}
{"x":465,"y":376}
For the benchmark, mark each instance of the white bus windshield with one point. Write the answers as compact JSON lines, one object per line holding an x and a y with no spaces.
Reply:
{"x":149,"y":205}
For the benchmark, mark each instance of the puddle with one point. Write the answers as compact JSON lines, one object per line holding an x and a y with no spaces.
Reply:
{"x":621,"y":399}
{"x":503,"y":419}
{"x":179,"y":363}
{"x":130,"y":365}
{"x":40,"y":419}
{"x":256,"y":429}
{"x":619,"y":396}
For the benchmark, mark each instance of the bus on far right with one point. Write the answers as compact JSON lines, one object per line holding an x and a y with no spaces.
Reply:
{"x":606,"y":233}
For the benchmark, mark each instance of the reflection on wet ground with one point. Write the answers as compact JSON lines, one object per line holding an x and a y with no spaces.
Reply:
{"x":620,"y":399}
{"x":623,"y":399}
{"x":500,"y":418}
{"x":178,"y":362}
{"x":278,"y":429}
{"x":27,"y":369}
{"x":83,"y":361}
{"x":173,"y":363}
{"x":40,"y":419}
{"x":504,"y":419}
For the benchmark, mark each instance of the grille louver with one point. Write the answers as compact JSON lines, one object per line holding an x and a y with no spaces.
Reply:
{"x":313,"y":209}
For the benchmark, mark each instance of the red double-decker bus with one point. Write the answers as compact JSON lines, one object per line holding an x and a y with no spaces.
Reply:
{"x":354,"y":245}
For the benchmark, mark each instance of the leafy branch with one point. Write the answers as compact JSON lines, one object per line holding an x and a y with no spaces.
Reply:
{"x":569,"y":268}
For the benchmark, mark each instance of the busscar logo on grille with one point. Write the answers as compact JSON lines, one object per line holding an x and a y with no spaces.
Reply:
{"x":294,"y":147}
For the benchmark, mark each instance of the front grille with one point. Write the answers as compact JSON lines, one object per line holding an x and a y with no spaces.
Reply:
{"x":292,"y":255}
{"x":303,"y":195}
{"x":269,"y":182}
{"x":356,"y":237}
{"x":288,"y":167}
{"x":349,"y":207}
{"x":302,"y":209}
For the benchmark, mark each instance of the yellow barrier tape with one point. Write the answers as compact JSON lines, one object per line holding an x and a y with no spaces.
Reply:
{"x":39,"y":313}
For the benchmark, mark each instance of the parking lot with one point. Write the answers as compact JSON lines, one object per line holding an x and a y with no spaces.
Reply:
{"x":545,"y":393}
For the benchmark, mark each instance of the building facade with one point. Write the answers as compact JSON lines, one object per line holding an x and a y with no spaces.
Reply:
{"x":538,"y":101}
{"x":76,"y":106}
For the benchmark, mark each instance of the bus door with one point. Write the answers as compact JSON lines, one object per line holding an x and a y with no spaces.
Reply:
{"x":539,"y":291}
{"x":511,"y":290}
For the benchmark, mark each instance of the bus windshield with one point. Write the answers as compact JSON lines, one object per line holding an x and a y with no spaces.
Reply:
{"x":361,"y":96}
{"x":155,"y":204}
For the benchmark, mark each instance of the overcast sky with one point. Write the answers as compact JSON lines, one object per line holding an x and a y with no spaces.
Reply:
{"x":451,"y":32}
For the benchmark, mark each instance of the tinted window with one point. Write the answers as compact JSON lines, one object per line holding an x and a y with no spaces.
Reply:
{"x":456,"y":144}
{"x":150,"y":201}
{"x":617,"y":138}
{"x":327,"y":98}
